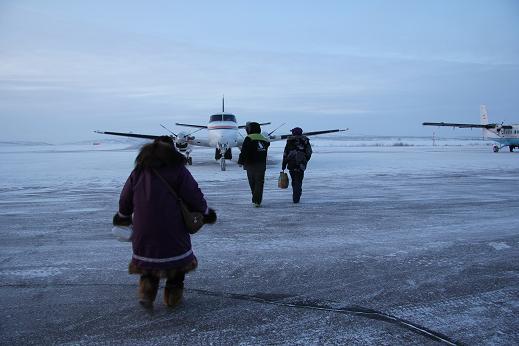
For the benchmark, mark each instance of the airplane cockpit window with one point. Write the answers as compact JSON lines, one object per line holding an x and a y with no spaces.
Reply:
{"x":229,"y":117}
{"x":216,"y":117}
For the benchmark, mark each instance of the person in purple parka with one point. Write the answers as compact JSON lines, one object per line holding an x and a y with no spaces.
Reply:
{"x":160,"y":241}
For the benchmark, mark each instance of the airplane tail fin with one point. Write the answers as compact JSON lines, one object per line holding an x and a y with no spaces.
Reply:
{"x":483,"y":114}
{"x":484,"y":119}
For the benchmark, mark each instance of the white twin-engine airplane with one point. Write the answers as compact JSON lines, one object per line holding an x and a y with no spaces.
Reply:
{"x":223,"y":135}
{"x":504,"y":135}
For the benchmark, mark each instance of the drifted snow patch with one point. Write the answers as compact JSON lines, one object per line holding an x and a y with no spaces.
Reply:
{"x":32,"y":273}
{"x":499,"y":245}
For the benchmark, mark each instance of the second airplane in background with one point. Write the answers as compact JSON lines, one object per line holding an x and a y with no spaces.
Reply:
{"x":504,"y":135}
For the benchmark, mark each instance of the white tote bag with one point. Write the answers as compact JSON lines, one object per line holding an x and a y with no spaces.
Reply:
{"x":123,"y":233}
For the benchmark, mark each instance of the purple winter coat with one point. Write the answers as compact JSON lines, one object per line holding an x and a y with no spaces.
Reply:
{"x":160,"y":239}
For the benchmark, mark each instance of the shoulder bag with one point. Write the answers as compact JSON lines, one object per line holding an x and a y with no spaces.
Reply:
{"x":193,"y":220}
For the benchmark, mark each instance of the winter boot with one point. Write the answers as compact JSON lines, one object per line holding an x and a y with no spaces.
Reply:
{"x":148,"y":287}
{"x":174,"y":290}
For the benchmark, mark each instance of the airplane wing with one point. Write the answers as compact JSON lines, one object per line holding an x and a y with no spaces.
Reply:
{"x":202,"y":142}
{"x":244,"y":126}
{"x":189,"y":125}
{"x":477,"y":126}
{"x":311,"y":133}
{"x":134,"y":135}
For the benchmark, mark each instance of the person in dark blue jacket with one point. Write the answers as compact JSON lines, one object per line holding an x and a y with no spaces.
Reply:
{"x":296,"y":155}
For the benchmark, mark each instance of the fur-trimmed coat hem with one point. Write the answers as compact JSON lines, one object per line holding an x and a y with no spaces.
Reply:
{"x":163,"y":273}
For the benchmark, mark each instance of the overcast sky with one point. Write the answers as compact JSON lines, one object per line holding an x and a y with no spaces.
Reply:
{"x":377,"y":67}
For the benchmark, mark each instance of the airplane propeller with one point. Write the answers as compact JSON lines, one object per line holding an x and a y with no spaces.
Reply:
{"x":173,"y":133}
{"x":181,"y":140}
{"x":181,"y":136}
{"x":277,"y":128}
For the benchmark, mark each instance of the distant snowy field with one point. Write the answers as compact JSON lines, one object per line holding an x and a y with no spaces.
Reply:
{"x":428,"y":234}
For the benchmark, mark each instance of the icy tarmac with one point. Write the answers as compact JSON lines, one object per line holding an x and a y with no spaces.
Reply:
{"x":394,"y":242}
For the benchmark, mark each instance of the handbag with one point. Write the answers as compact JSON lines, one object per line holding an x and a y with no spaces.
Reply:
{"x":193,"y":220}
{"x":283,"y":180}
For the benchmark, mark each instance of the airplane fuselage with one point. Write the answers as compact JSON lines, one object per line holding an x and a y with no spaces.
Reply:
{"x":505,"y":137}
{"x":222,"y":134}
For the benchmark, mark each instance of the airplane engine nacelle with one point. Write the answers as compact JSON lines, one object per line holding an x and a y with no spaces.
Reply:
{"x":182,"y":141}
{"x":181,"y":145}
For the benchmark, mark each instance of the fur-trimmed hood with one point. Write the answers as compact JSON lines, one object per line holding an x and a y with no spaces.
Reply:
{"x":158,"y":154}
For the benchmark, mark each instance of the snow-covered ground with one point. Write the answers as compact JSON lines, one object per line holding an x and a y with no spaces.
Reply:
{"x":426,"y":234}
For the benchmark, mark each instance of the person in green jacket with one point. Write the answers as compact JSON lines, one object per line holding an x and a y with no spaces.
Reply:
{"x":253,"y":157}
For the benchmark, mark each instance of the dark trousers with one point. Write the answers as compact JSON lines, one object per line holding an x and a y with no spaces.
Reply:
{"x":256,"y":176}
{"x":297,"y":184}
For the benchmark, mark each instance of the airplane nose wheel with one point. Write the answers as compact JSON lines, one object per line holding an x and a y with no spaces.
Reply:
{"x":495,"y":148}
{"x":189,"y":159}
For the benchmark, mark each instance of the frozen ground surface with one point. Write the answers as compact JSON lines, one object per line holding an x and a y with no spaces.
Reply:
{"x":429,"y":235}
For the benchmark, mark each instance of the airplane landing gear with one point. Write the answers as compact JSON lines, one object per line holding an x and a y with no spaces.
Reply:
{"x":228,"y":154}
{"x":511,"y":148}
{"x":495,"y":148}
{"x":189,"y":158}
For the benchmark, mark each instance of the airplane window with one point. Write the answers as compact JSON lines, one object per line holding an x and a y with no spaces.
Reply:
{"x":216,"y":117}
{"x":229,"y":117}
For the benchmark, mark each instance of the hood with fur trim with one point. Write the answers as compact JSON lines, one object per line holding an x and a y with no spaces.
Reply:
{"x":159,"y":154}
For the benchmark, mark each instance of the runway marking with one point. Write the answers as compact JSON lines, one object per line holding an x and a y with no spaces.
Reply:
{"x":260,"y":298}
{"x":350,"y":310}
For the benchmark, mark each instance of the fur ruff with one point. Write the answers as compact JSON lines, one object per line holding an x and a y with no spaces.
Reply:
{"x":159,"y":154}
{"x":162,"y":273}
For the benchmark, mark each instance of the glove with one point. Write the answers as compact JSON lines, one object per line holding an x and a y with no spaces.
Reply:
{"x":210,"y":217}
{"x":118,"y":220}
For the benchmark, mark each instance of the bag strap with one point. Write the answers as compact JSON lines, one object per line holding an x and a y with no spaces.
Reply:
{"x":167,"y":184}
